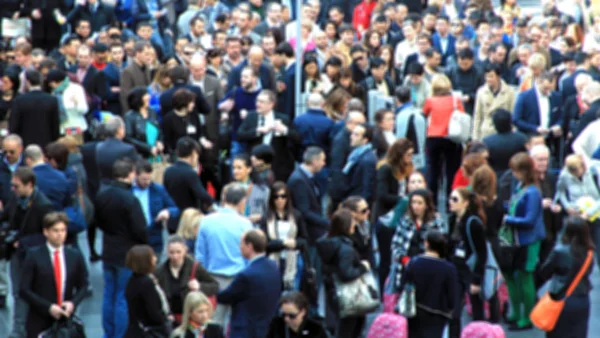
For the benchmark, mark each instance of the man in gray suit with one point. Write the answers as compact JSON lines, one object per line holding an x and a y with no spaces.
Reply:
{"x":213,"y":93}
{"x":137,"y":73}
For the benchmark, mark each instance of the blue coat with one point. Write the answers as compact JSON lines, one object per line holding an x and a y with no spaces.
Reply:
{"x":528,"y":220}
{"x":526,"y":114}
{"x":254,"y":297}
{"x":159,"y":199}
{"x":54,"y":184}
{"x":314,"y":128}
{"x":361,"y":180}
{"x":450,"y":48}
{"x":112,"y":75}
{"x":286,"y":100}
{"x":308,"y":202}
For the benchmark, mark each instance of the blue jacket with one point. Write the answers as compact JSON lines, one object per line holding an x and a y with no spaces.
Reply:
{"x":158,"y":200}
{"x":286,"y":100}
{"x":5,"y":179}
{"x":361,"y":180}
{"x":526,"y":115}
{"x":254,"y":296}
{"x":112,"y":75}
{"x":314,"y":128}
{"x":450,"y":48}
{"x":307,"y":200}
{"x":528,"y":220}
{"x":54,"y":184}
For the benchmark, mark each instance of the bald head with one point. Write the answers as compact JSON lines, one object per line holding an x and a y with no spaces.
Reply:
{"x":255,"y":57}
{"x":34,"y":155}
{"x":12,"y":146}
{"x":198,"y":67}
{"x":314,"y":101}
{"x":354,"y":118}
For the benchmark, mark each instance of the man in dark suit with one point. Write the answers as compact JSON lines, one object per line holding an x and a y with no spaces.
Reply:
{"x":34,"y":115}
{"x":255,"y":60}
{"x":55,"y":278}
{"x":44,"y":16}
{"x":443,"y":41}
{"x":590,"y":95}
{"x":51,"y":182}
{"x":567,"y":86}
{"x":180,"y":79}
{"x":538,"y":110}
{"x":68,"y":53}
{"x":24,"y":214}
{"x":273,"y":20}
{"x":94,"y":11}
{"x":254,"y":293}
{"x":136,"y":73}
{"x":360,"y":168}
{"x":92,"y":80}
{"x":286,"y":85}
{"x":181,"y":179}
{"x":11,"y":159}
{"x":378,"y":80}
{"x":112,"y":149}
{"x":121,"y":218}
{"x":264,"y":126}
{"x":424,"y":42}
{"x":505,"y":143}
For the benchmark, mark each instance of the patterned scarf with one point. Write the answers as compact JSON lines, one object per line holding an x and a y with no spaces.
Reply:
{"x":355,"y":156}
{"x":291,"y":256}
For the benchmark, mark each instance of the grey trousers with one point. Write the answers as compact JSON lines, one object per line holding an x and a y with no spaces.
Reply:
{"x":21,"y":308}
{"x":222,"y":312}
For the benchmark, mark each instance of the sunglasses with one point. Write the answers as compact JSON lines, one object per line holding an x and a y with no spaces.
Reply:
{"x":454,"y":199}
{"x":291,"y":316}
{"x":281,"y":196}
{"x":364,"y":211}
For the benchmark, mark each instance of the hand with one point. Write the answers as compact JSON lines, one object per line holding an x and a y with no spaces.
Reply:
{"x":547,"y":203}
{"x":281,"y":86}
{"x":280,"y":127}
{"x":543,"y":131}
{"x":366,"y":264}
{"x":584,"y":215}
{"x":16,"y":245}
{"x":206,"y":143}
{"x":193,"y":285}
{"x":475,"y":289}
{"x":556,"y":208}
{"x":227,"y":105}
{"x":157,"y":14}
{"x":163,"y":215}
{"x":115,"y":89}
{"x":556,"y":131}
{"x":160,"y":147}
{"x":68,"y":307}
{"x":36,"y":14}
{"x":154,"y":151}
{"x":243,"y":113}
{"x":466,"y":98}
{"x":264,"y":129}
{"x":56,"y":311}
{"x":81,"y":2}
{"x":290,"y":243}
{"x":572,"y":211}
{"x":254,"y":218}
{"x":224,"y":117}
{"x":15,"y":16}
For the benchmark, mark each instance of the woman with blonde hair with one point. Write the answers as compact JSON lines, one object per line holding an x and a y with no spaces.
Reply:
{"x":536,"y":66}
{"x":189,"y":224}
{"x":195,"y":322}
{"x":441,"y":151}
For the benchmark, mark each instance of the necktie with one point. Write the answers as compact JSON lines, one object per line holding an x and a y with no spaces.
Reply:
{"x":58,"y":277}
{"x":261,"y":121}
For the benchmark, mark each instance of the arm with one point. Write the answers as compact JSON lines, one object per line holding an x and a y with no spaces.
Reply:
{"x":519,"y":116}
{"x":130,"y":138}
{"x":452,"y":288}
{"x":548,"y":267}
{"x":152,"y":302}
{"x":208,"y":284}
{"x":202,"y":105}
{"x":137,"y":221}
{"x":384,"y":196}
{"x":201,"y":250}
{"x":168,"y":203}
{"x":301,"y":200}
{"x":14,"y":120}
{"x":35,"y":302}
{"x":126,"y":83}
{"x":74,"y":14}
{"x":480,"y":249}
{"x":247,"y":131}
{"x":532,"y":210}
{"x":477,"y":118}
{"x":561,"y":191}
{"x":54,"y":121}
{"x":236,"y":292}
{"x":347,"y":271}
{"x":82,"y":281}
{"x":368,"y":181}
{"x":202,"y":197}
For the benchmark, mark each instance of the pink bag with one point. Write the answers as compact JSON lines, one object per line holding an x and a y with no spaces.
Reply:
{"x":502,"y":299}
{"x":482,"y":330}
{"x":389,"y":302}
{"x":389,"y":325}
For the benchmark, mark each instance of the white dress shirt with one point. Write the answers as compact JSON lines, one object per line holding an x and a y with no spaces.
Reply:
{"x":544,"y":104}
{"x":269,"y":121}
{"x":63,"y":265}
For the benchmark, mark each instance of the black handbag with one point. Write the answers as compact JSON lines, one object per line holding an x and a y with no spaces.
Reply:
{"x":71,"y":327}
{"x":7,"y":241}
{"x":160,"y":331}
{"x":308,"y":284}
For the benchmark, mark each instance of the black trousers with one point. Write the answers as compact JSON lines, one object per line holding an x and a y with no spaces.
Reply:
{"x":350,"y":327}
{"x":443,"y":160}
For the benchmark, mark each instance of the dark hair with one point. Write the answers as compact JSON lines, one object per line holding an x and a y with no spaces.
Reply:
{"x":56,"y":75}
{"x":437,"y":242}
{"x":257,"y":239}
{"x":276,"y":187}
{"x":415,"y":68}
{"x":122,"y":168}
{"x":430,"y":52}
{"x":465,"y":53}
{"x":135,"y":98}
{"x":351,"y":203}
{"x":25,"y":175}
{"x":484,"y":183}
{"x":142,"y":24}
{"x":493,"y":67}
{"x":380,"y":114}
{"x":244,"y":158}
{"x":341,"y":223}
{"x":100,"y":48}
{"x":368,"y":134}
{"x":33,"y":77}
{"x":377,"y":62}
{"x":14,"y":75}
{"x":523,"y":163}
{"x":58,"y":152}
{"x":495,"y":46}
{"x":476,"y":147}
{"x":140,"y":46}
{"x":178,"y":74}
{"x":186,"y":146}
{"x":55,"y":217}
{"x":296,"y":298}
{"x":472,"y":162}
{"x":395,"y":158}
{"x":182,"y":98}
{"x":577,"y":234}
{"x":285,"y":49}
{"x":430,"y":207}
{"x":403,"y":94}
{"x":139,"y":259}
{"x":143,"y":166}
{"x":264,"y":152}
{"x":70,"y":38}
{"x":475,"y":206}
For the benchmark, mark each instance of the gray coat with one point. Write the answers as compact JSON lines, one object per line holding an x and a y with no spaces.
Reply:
{"x":131,"y":77}
{"x":570,"y":189}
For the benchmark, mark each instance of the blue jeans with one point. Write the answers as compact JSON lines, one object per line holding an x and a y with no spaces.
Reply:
{"x":114,"y":304}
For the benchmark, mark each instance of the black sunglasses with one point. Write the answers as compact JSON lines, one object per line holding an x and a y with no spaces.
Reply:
{"x":364,"y":211}
{"x":281,"y":196}
{"x":291,"y":316}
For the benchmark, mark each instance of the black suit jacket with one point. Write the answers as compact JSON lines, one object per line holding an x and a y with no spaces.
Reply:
{"x":308,"y":202}
{"x":46,"y":26}
{"x":339,"y":153}
{"x":38,"y":287}
{"x":166,"y":99}
{"x":103,"y":16}
{"x":283,"y":162}
{"x":183,"y":185}
{"x":35,"y":118}
{"x":88,"y":153}
{"x":28,"y":222}
{"x":266,"y":76}
{"x":108,"y":152}
{"x":94,"y":82}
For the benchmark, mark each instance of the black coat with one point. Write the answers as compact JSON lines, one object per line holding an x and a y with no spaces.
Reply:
{"x":212,"y":331}
{"x":339,"y":153}
{"x":283,"y":162}
{"x":144,"y":305}
{"x":276,"y":244}
{"x":35,"y":118}
{"x":120,"y":216}
{"x":94,"y":82}
{"x":308,"y":328}
{"x":5,"y":179}
{"x":88,"y":154}
{"x":502,"y":147}
{"x":183,"y":185}
{"x":387,"y":191}
{"x":135,"y":131}
{"x":166,"y":99}
{"x":589,"y":116}
{"x":468,"y":82}
{"x":28,"y":222}
{"x":46,"y":26}
{"x":175,"y":127}
{"x":38,"y":287}
{"x":103,"y":16}
{"x":307,"y":200}
{"x":108,"y":152}
{"x":380,"y":143}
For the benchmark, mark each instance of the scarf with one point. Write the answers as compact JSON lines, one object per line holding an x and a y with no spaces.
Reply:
{"x":291,"y":256}
{"x":161,"y":295}
{"x":58,"y":93}
{"x":355,"y":156}
{"x":197,"y":329}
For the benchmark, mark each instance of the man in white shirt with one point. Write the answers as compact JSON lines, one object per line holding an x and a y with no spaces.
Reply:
{"x":198,"y":34}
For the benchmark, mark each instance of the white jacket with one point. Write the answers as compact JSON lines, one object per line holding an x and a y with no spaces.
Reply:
{"x":75,"y":103}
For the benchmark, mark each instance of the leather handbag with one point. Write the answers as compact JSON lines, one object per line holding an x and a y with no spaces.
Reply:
{"x":546,"y":312}
{"x":71,"y":327}
{"x":492,"y":278}
{"x":459,"y":126}
{"x":358,"y":297}
{"x":407,"y":303}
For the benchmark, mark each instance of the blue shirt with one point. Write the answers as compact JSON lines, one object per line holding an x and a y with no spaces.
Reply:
{"x":143,"y":195}
{"x":14,"y":166}
{"x":218,"y":242}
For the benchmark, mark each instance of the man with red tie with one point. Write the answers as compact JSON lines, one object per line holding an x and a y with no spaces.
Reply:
{"x":54,"y":279}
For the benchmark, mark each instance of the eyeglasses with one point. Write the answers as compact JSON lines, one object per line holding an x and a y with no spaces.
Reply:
{"x":364,"y":211}
{"x":291,"y":316}
{"x":454,"y":199}
{"x":10,"y":151}
{"x":281,"y":196}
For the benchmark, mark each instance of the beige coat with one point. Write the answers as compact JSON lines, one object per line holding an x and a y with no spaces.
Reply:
{"x":485,"y":105}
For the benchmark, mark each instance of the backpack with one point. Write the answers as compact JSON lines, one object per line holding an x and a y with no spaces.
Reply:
{"x":389,"y":325}
{"x":480,"y":329}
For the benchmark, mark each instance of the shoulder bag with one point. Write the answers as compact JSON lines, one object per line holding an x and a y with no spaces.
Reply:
{"x":71,"y":327}
{"x":492,"y":278}
{"x":546,"y":312}
{"x":358,"y":297}
{"x":407,"y":303}
{"x":459,"y":126}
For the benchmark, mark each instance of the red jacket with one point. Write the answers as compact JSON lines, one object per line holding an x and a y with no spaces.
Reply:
{"x":362,"y":16}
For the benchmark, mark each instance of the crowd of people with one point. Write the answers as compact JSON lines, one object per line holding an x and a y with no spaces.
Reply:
{"x":138,"y":118}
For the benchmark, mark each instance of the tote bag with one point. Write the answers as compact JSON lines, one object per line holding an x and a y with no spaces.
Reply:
{"x":459,"y":126}
{"x":492,"y":278}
